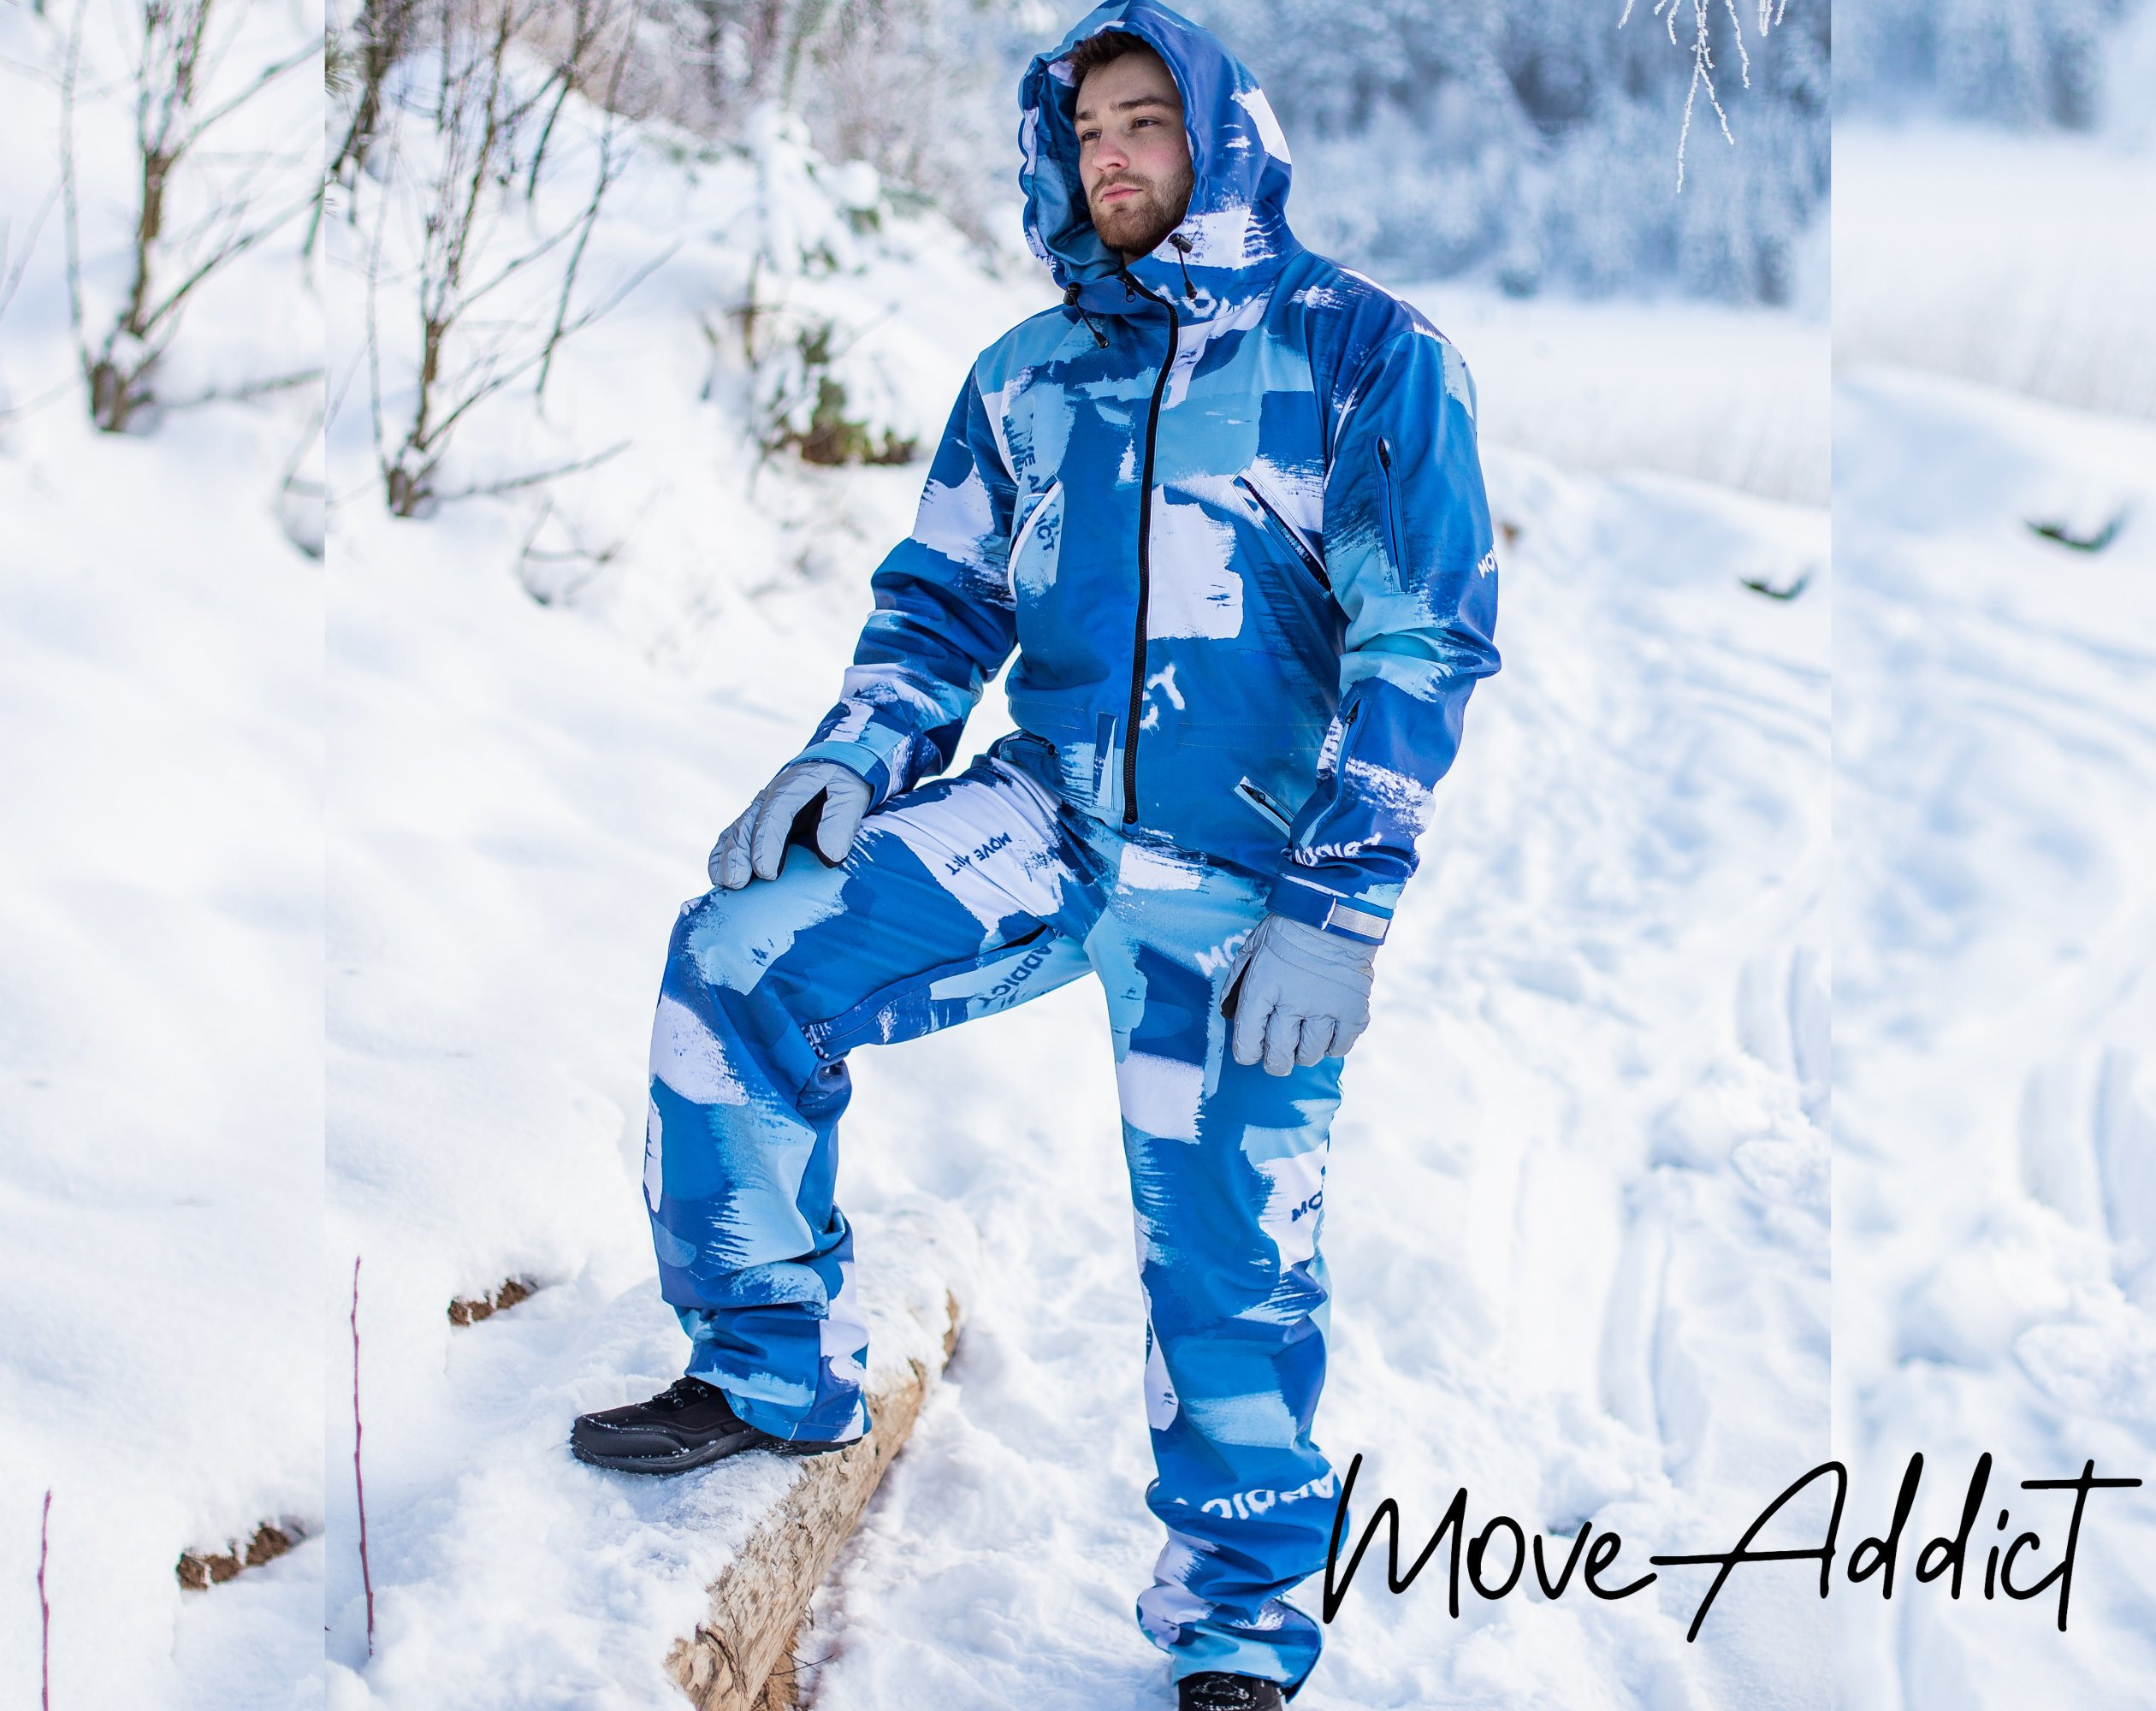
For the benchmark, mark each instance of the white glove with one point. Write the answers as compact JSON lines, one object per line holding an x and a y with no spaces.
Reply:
{"x":756,"y":843}
{"x":1304,"y":994}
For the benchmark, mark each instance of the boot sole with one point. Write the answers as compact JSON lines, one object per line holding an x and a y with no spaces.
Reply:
{"x":704,"y":1454}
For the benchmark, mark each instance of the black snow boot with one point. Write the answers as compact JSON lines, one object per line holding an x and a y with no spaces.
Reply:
{"x":685,"y":1425}
{"x":1214,"y":1689}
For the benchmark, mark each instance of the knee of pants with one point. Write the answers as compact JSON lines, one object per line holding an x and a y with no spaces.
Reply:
{"x":731,"y":940}
{"x":720,"y":997}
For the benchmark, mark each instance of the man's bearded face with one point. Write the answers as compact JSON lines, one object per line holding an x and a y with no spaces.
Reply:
{"x":1133,"y":158}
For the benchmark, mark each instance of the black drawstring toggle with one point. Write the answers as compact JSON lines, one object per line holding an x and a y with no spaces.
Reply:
{"x":1071,"y":302}
{"x":1182,"y":250}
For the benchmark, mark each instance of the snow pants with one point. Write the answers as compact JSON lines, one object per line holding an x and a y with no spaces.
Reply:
{"x":960,"y":898}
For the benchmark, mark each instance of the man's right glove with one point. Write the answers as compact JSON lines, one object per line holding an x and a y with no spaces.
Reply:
{"x":755,"y":845}
{"x":1297,"y":993}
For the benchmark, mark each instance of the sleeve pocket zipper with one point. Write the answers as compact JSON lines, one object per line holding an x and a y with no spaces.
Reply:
{"x":1310,"y":559}
{"x":1264,"y":803}
{"x":1392,"y":509}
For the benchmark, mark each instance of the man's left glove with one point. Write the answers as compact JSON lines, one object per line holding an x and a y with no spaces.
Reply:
{"x":1297,"y":993}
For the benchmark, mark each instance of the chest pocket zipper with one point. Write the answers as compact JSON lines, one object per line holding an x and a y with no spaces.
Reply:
{"x":1024,"y":534}
{"x":1310,"y":561}
{"x":1264,"y":803}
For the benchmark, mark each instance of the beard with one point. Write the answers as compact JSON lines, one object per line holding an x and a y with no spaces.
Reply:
{"x":1136,"y":224}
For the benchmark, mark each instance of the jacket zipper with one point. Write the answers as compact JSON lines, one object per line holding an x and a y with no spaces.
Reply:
{"x":1144,"y":582}
{"x":1295,"y":536}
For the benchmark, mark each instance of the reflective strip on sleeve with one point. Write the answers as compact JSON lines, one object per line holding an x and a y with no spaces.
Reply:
{"x":1346,"y":918}
{"x":1321,"y":906}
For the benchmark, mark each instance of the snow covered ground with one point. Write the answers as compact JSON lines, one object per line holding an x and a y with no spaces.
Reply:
{"x":160,"y":933}
{"x":1995,"y":904}
{"x":161,"y":1184}
{"x":1995,"y":1019}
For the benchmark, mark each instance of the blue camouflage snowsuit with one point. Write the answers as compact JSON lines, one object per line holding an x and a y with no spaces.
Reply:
{"x":1225,"y":504}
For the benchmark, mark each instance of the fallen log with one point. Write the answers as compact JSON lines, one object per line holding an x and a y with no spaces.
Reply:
{"x":740,"y":1657}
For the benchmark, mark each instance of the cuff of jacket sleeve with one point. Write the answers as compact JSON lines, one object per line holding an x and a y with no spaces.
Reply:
{"x":1320,"y":906}
{"x":855,"y":757}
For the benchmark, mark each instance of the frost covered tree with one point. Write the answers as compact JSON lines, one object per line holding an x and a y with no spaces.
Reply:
{"x":1535,"y":145}
{"x":2017,"y":63}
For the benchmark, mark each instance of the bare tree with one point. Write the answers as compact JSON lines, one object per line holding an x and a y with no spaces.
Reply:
{"x":381,"y":37}
{"x":482,"y":113}
{"x":181,"y":49}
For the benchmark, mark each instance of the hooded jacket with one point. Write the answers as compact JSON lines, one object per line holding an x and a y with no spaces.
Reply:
{"x":1226,"y":505}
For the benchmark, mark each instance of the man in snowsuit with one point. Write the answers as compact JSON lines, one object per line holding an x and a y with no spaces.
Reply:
{"x":1226,"y":505}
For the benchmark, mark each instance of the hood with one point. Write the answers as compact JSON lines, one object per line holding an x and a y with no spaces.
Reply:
{"x":1236,"y":226}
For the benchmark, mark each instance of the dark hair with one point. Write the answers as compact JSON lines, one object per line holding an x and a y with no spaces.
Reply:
{"x":1102,"y":48}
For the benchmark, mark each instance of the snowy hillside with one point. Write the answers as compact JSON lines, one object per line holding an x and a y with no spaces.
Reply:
{"x":1995,"y":1096}
{"x":161,"y":870}
{"x":1994,"y":171}
{"x":161,"y":1105}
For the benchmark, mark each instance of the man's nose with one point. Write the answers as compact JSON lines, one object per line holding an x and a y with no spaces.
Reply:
{"x":1110,"y":157}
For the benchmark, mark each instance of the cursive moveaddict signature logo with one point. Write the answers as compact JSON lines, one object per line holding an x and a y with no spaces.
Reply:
{"x":1504,"y":1545}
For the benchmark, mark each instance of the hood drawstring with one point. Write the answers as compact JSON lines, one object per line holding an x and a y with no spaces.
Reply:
{"x":1071,"y":302}
{"x":1182,"y":250}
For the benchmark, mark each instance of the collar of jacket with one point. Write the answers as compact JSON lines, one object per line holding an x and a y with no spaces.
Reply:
{"x":1234,"y":237}
{"x":1208,"y":291}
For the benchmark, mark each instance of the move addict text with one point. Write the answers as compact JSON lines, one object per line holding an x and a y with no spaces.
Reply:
{"x":1507,"y":1542}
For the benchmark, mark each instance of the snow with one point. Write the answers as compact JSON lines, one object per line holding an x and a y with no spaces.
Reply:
{"x":2021,"y":260}
{"x":1995,"y":1097}
{"x":517,"y":775}
{"x":1994,"y":1018}
{"x":161,"y":988}
{"x":161,"y":1185}
{"x":1737,"y":397}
